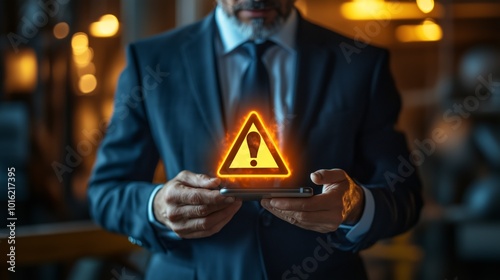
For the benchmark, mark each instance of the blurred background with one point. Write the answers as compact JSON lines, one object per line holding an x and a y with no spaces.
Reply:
{"x":60,"y":60}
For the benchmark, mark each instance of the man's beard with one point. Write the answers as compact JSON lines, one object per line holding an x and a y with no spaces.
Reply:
{"x":257,"y":28}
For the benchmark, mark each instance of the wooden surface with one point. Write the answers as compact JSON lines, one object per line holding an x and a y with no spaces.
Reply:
{"x":62,"y":242}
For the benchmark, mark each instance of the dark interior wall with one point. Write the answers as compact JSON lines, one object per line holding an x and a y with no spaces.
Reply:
{"x":142,"y":19}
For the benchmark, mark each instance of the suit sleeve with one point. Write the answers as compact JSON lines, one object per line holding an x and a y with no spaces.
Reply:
{"x":120,"y":185}
{"x":383,"y":164}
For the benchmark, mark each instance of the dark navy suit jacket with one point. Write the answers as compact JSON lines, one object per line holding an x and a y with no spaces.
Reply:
{"x":168,"y":106}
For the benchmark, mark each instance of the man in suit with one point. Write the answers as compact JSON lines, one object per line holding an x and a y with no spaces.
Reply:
{"x":182,"y":93}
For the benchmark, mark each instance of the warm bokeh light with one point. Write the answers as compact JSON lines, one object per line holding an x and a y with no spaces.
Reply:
{"x":86,"y":69}
{"x":107,"y":26}
{"x":382,"y":10}
{"x":425,"y":6}
{"x":21,"y":71}
{"x":427,"y":31}
{"x":79,"y":43}
{"x":360,"y":9}
{"x":84,"y":58}
{"x":87,"y":83}
{"x":61,"y":30}
{"x":431,"y":31}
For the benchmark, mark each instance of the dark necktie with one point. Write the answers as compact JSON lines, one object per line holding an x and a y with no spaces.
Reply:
{"x":255,"y":85}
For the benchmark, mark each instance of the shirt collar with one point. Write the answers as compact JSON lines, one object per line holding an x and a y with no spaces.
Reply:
{"x":231,"y":38}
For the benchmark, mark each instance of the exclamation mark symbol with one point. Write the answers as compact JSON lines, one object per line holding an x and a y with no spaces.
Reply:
{"x":253,"y":141}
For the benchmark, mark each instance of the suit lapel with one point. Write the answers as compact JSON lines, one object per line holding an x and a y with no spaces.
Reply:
{"x":314,"y":67}
{"x":201,"y":68}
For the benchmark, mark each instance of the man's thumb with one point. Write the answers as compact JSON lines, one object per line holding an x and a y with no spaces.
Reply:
{"x":328,"y":176}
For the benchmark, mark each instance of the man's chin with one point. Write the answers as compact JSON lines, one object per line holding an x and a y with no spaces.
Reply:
{"x":259,"y":32}
{"x":257,"y":28}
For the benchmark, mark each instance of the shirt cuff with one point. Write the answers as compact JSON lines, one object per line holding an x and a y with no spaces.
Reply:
{"x":357,"y":231}
{"x":151,"y":216}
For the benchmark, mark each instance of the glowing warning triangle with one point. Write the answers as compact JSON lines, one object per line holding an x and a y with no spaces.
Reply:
{"x":253,"y":153}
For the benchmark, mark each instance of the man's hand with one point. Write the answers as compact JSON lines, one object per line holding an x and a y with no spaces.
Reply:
{"x":342,"y":201}
{"x":192,"y":207}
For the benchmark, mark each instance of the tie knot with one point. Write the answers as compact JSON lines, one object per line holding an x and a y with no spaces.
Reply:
{"x":256,"y":50}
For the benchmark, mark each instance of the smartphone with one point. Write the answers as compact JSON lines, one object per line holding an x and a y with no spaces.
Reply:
{"x":257,"y":194}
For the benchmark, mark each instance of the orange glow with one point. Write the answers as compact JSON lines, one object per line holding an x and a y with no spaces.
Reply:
{"x":386,"y":10}
{"x":84,"y":58}
{"x":86,"y":69}
{"x":87,"y":83}
{"x":428,"y":31}
{"x":21,"y":71}
{"x":61,"y":30}
{"x":425,"y":6}
{"x":107,"y":26}
{"x":79,"y":43}
{"x":272,"y":165}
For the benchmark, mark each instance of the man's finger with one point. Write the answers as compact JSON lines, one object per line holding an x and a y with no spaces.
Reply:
{"x":321,"y":221}
{"x":230,"y":214}
{"x":194,"y":180}
{"x":312,"y":218}
{"x":195,"y":196}
{"x":329,"y":176}
{"x":202,"y":227}
{"x":295,"y":204}
{"x":315,"y":203}
{"x":295,"y":218}
{"x":198,"y":211}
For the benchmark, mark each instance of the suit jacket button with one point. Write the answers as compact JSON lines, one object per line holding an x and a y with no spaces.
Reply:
{"x":266,"y":219}
{"x":132,"y":240}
